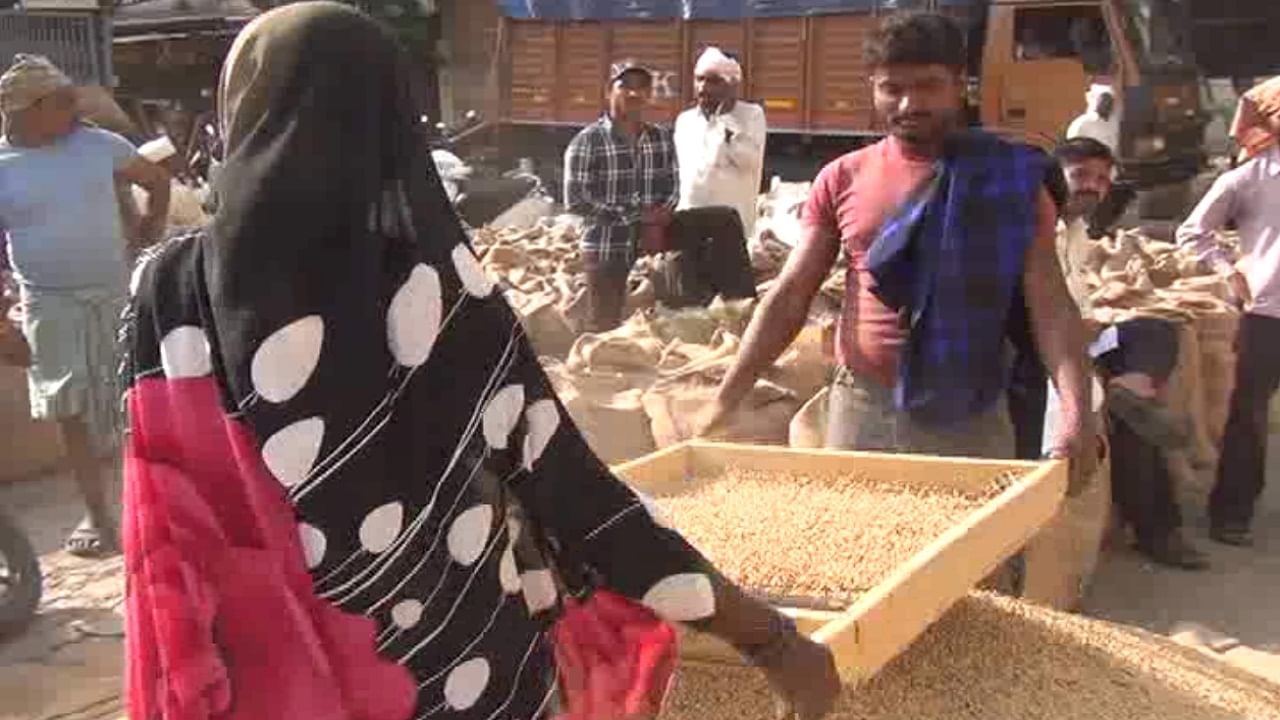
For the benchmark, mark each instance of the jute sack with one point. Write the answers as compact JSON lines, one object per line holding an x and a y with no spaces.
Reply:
{"x":1061,"y":558}
{"x":547,"y":328}
{"x":1216,"y":335}
{"x":1185,"y":398}
{"x":808,"y":429}
{"x":804,"y":368}
{"x":613,"y":421}
{"x":674,"y":404}
{"x":97,"y":106}
{"x":29,"y":447}
{"x":634,"y":346}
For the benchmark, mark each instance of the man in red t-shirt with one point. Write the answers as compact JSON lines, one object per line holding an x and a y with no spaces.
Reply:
{"x":918,"y":82}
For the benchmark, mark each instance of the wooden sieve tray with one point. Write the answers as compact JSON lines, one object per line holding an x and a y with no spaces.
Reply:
{"x":886,"y":619}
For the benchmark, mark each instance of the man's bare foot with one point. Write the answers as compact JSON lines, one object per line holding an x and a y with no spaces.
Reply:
{"x":91,"y":540}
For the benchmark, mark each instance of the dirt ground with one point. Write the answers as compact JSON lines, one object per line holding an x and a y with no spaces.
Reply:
{"x":1229,"y":610}
{"x":68,"y":666}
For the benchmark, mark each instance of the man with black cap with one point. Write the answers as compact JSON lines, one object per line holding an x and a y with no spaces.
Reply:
{"x":620,"y":176}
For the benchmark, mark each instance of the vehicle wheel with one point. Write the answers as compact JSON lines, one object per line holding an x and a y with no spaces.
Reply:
{"x":20,"y":580}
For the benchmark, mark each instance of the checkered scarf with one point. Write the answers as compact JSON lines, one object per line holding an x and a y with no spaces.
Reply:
{"x":951,"y":262}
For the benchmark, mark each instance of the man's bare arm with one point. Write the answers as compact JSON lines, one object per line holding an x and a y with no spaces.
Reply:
{"x":1060,"y":338}
{"x":779,"y":319}
{"x":155,"y":181}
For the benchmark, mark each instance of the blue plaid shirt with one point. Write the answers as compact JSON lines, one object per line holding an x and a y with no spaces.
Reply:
{"x":608,"y":178}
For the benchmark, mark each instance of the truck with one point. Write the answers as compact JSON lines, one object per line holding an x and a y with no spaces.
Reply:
{"x":1031,"y":62}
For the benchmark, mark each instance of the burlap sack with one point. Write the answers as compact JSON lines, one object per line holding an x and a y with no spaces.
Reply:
{"x":1216,"y":335}
{"x":674,"y":405}
{"x":804,"y":368}
{"x":681,"y":357}
{"x":633,"y":346}
{"x":29,"y":447}
{"x":1185,"y":397}
{"x":607,"y":412}
{"x":547,"y":328}
{"x":1062,"y":557}
{"x":808,"y":428}
{"x":97,"y":106}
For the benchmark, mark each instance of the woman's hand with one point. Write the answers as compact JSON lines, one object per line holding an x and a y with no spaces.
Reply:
{"x":803,"y":673}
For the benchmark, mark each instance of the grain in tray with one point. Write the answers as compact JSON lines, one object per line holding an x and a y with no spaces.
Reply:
{"x":809,"y":536}
{"x":994,"y":658}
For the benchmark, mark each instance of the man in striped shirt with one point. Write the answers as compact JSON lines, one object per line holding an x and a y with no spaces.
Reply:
{"x":620,"y":176}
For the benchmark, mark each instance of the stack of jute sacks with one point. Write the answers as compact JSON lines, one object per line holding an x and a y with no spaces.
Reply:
{"x":637,"y":388}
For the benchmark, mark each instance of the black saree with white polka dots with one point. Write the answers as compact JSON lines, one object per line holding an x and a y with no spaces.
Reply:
{"x":387,"y":386}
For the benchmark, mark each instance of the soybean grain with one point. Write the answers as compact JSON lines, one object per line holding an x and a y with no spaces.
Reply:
{"x":807,"y":536}
{"x":994,"y":658}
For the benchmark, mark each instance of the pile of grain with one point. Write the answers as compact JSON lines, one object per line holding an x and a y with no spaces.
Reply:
{"x":993,"y":658}
{"x":817,"y":538}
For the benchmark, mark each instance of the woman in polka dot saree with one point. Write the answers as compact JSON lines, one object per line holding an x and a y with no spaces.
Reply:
{"x":346,"y":471}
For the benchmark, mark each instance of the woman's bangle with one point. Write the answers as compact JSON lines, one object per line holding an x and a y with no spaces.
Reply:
{"x":782,"y":629}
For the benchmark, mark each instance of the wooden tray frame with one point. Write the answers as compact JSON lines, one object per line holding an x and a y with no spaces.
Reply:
{"x":888,"y":618}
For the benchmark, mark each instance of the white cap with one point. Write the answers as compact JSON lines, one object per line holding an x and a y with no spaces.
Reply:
{"x":158,"y":150}
{"x":713,"y":61}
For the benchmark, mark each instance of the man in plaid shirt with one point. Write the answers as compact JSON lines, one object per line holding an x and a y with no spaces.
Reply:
{"x":620,"y":176}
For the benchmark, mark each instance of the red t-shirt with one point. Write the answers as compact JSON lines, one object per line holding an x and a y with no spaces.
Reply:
{"x":850,"y":199}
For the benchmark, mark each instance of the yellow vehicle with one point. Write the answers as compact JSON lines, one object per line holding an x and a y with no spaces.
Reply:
{"x":1039,"y":56}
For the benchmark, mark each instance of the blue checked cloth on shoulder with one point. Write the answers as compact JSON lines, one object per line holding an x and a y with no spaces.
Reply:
{"x":951,"y":261}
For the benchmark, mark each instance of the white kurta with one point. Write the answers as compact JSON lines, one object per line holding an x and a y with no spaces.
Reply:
{"x":719,"y":172}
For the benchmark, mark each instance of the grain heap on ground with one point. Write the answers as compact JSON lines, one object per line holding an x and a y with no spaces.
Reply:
{"x":822,"y":539}
{"x":993,"y":658}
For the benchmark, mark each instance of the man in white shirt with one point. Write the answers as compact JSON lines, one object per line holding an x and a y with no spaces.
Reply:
{"x":720,"y":143}
{"x":1249,"y":195}
{"x":720,"y":153}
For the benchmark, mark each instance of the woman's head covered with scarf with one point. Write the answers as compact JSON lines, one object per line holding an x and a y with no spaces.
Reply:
{"x":325,"y":160}
{"x":1257,"y":122}
{"x":389,"y":388}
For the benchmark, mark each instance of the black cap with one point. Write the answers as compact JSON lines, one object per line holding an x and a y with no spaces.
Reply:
{"x":622,"y":67}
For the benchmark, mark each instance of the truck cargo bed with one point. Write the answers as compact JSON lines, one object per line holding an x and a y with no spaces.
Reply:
{"x":807,"y":71}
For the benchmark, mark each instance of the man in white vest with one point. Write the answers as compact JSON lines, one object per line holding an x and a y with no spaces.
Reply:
{"x":720,"y":142}
{"x":720,"y":153}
